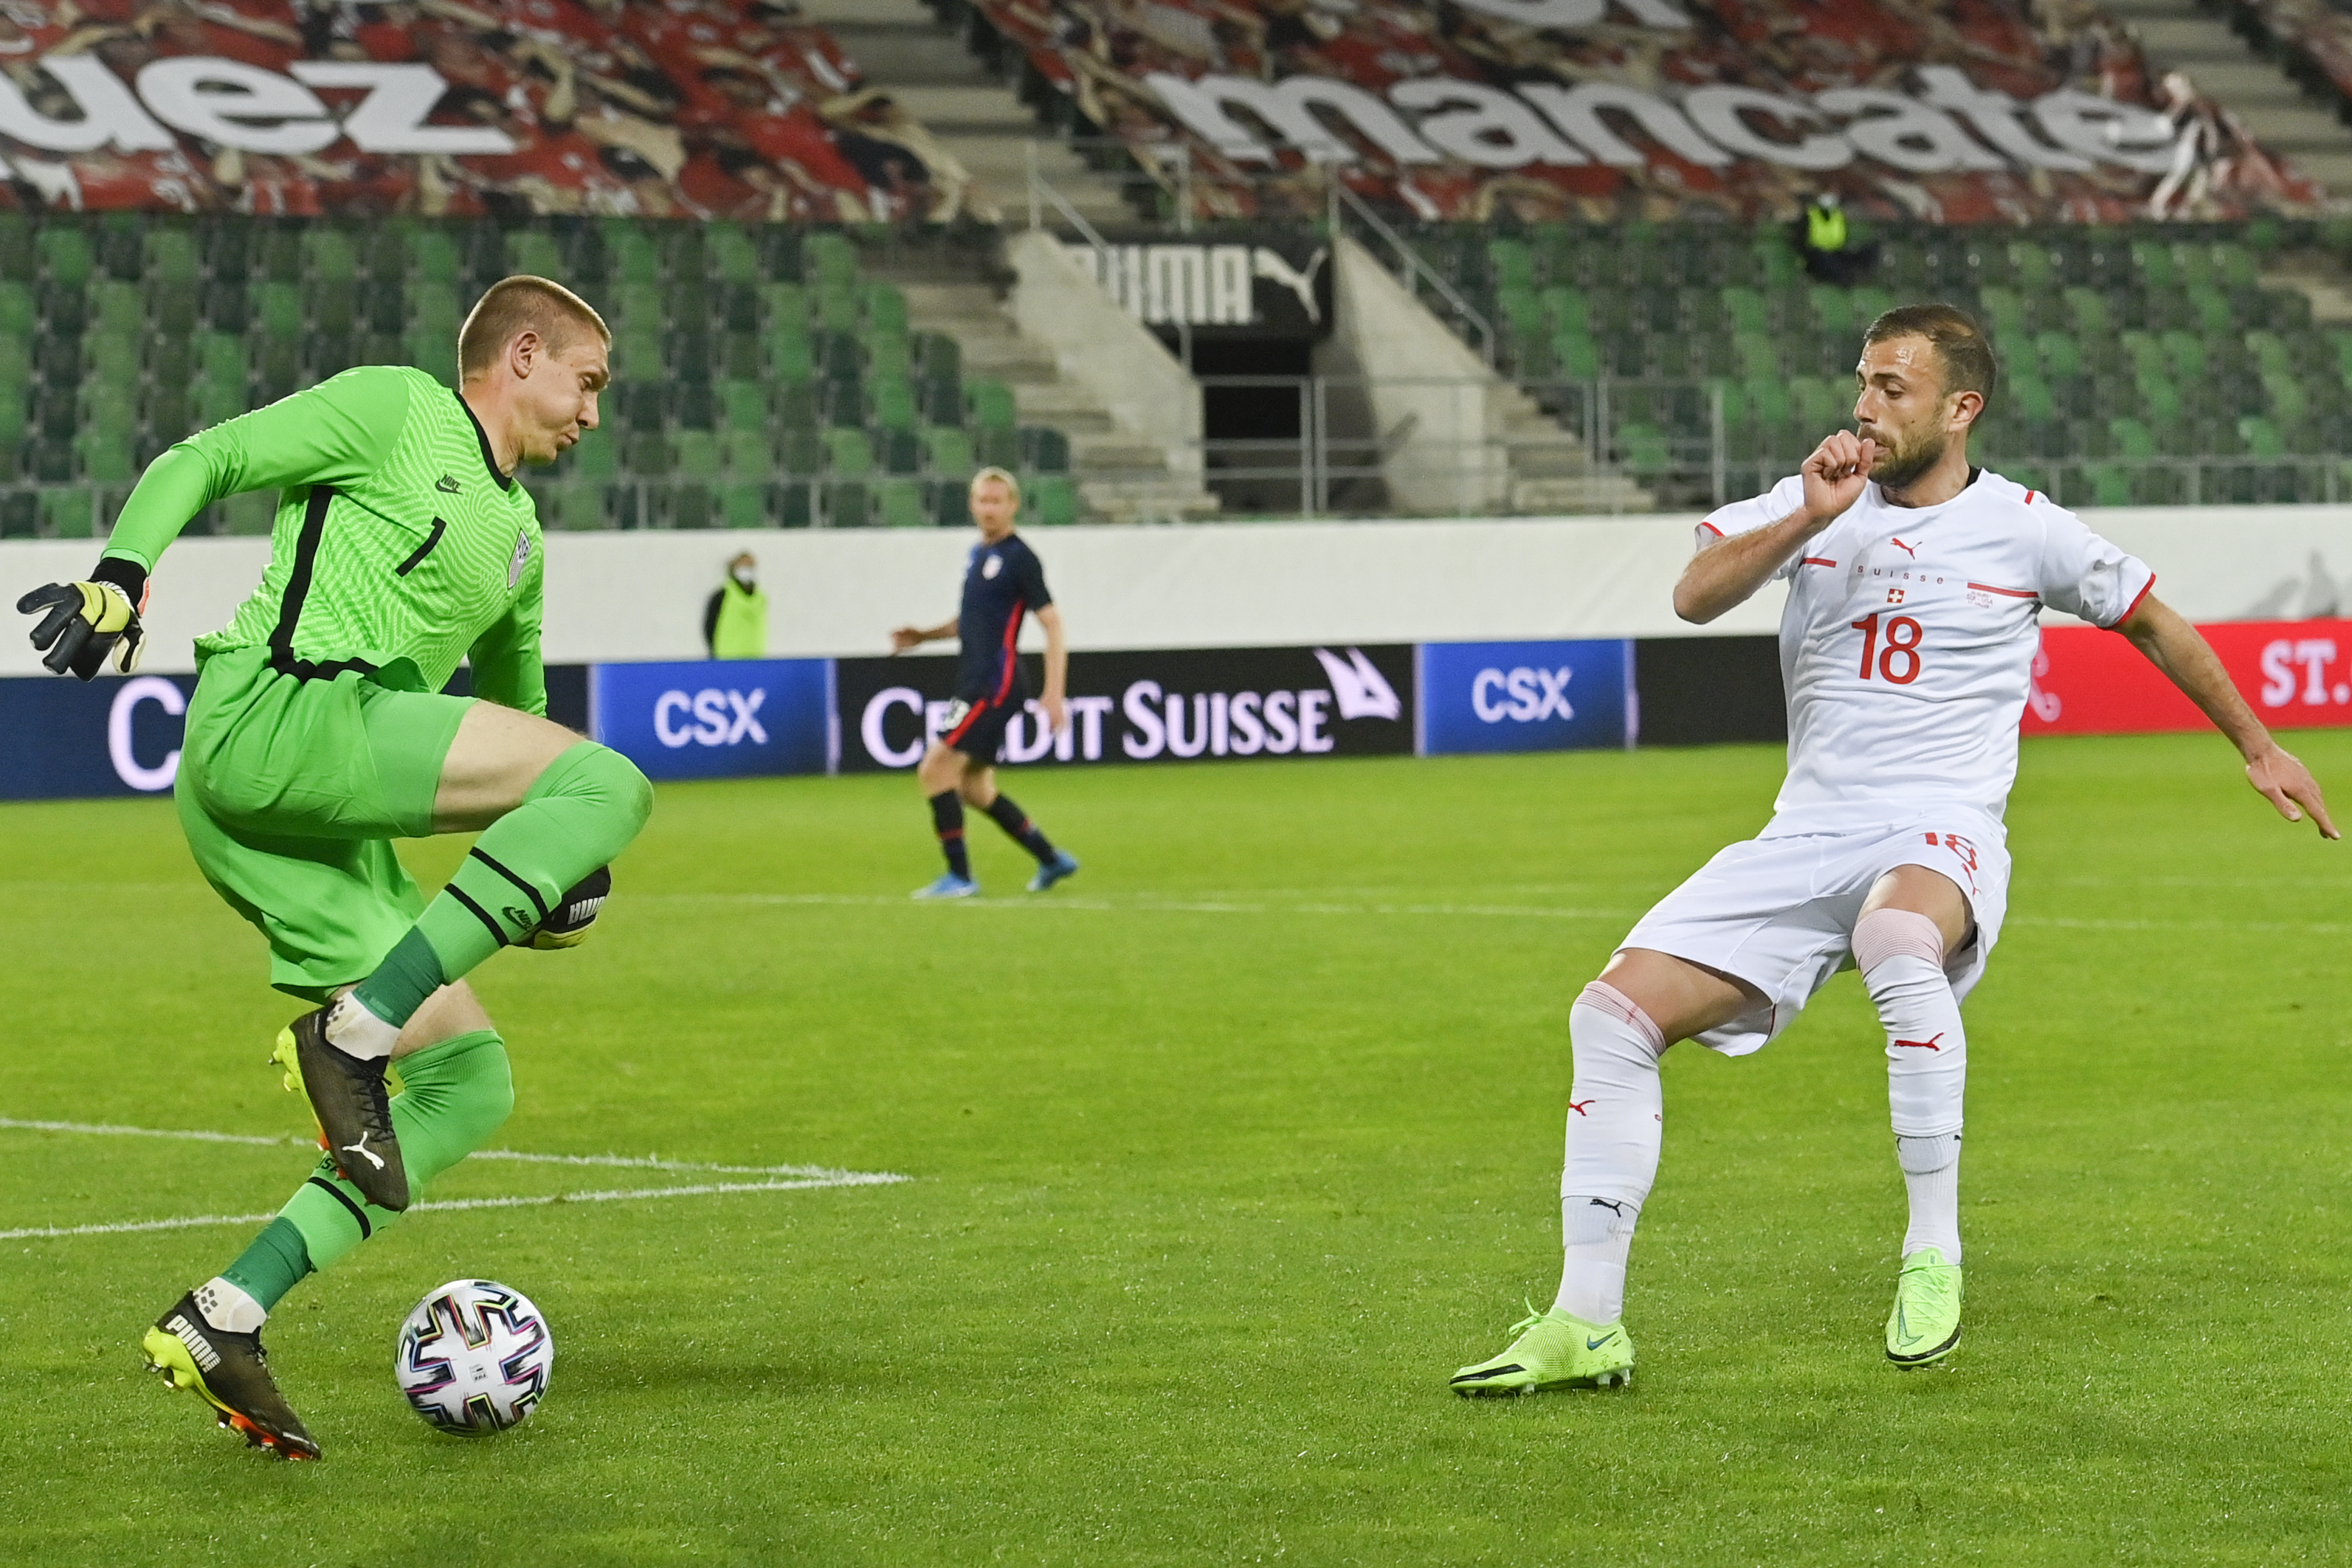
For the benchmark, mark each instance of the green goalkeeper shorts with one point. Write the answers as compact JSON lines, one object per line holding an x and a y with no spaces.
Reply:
{"x":291,"y":792}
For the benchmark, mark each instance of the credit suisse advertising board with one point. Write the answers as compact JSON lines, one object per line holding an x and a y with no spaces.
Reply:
{"x":61,"y":738}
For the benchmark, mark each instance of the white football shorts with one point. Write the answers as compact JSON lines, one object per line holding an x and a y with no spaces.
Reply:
{"x":1778,"y":912}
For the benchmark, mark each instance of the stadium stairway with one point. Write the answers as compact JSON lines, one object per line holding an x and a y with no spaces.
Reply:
{"x":1122,"y":477}
{"x":2183,"y":35}
{"x":902,"y":46}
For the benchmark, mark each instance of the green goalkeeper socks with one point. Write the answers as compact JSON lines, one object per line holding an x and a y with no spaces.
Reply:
{"x":453,"y":1095}
{"x":580,"y":815}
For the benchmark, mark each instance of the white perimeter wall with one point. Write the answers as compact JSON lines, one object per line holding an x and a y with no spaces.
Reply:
{"x":639,"y":596}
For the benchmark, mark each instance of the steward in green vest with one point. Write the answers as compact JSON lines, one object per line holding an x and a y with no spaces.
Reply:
{"x":1832,"y":252}
{"x":735,"y":621}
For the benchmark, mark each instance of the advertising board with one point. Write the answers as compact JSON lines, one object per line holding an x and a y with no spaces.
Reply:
{"x":2295,"y":674}
{"x":717,"y":720}
{"x":1152,"y":706}
{"x":1527,"y":697}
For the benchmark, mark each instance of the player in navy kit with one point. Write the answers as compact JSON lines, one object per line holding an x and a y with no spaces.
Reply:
{"x":1002,"y":583}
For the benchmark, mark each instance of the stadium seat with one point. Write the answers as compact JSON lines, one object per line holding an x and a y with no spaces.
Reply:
{"x":1052,"y":500}
{"x":898,"y":504}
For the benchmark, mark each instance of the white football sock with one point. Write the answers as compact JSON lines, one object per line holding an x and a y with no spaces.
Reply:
{"x":357,"y":1032}
{"x":1615,"y":1120}
{"x":1931,"y":1174}
{"x":229,"y":1309}
{"x":1901,"y":956}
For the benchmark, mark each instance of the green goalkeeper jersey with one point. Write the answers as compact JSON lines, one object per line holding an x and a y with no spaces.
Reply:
{"x":399,"y":549}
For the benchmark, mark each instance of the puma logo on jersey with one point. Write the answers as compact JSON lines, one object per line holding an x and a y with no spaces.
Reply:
{"x":1927,"y":1044}
{"x":446,"y":484}
{"x":364,"y":1152}
{"x":1911,"y":551}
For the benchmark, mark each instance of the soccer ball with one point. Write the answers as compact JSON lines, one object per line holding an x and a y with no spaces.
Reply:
{"x":474,"y":1357}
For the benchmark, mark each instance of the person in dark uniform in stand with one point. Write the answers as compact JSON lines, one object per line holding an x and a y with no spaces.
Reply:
{"x":1002,"y":583}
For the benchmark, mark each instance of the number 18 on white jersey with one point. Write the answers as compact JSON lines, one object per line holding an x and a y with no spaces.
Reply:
{"x":1908,"y":644}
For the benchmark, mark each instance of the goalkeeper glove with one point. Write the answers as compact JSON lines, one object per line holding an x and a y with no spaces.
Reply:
{"x":86,"y":621}
{"x":575,"y":912}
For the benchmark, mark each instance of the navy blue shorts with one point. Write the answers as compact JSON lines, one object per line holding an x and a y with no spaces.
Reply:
{"x":977,"y":728}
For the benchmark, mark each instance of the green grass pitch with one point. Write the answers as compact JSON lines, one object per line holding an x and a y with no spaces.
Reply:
{"x":1225,"y":1156}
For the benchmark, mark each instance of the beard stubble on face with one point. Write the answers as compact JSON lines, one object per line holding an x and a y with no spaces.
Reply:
{"x":1904,"y":459}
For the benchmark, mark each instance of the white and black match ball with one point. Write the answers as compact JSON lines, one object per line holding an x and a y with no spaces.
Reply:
{"x":474,"y":1357}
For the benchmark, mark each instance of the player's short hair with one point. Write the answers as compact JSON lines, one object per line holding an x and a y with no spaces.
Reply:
{"x":524,"y":304}
{"x":1000,"y":476}
{"x":1963,"y":353}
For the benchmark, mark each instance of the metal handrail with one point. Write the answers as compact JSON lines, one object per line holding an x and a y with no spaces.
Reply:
{"x":1414,"y":268}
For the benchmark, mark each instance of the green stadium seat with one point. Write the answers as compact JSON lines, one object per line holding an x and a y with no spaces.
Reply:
{"x":790,"y":355}
{"x":1575,"y":357}
{"x":630,"y":254}
{"x":2159,"y":397}
{"x":990,"y":406}
{"x":2271,"y":352}
{"x":947,"y":452}
{"x":997,"y":447}
{"x":578,"y":506}
{"x":1510,"y":264}
{"x":890,"y":354}
{"x":697,"y":454}
{"x":838,"y":309}
{"x":2060,"y":352}
{"x":171,"y":254}
{"x":898,"y":504}
{"x":2086,"y":311}
{"x":730,"y":255}
{"x":746,"y":452}
{"x":596,"y":460}
{"x":2237,"y":265}
{"x":797,"y":406}
{"x":898,"y":451}
{"x":2030,"y":397}
{"x":65,"y":254}
{"x":2029,"y":266}
{"x":848,"y":503}
{"x":1755,"y":355}
{"x":328,"y":256}
{"x":1052,"y":500}
{"x":1044,"y":450}
{"x":743,"y":505}
{"x":933,"y":355}
{"x":535,"y":252}
{"x":890,"y":404}
{"x":2158,"y":268}
{"x":1767,"y":399}
{"x":828,"y":258}
{"x":2004,"y":312}
{"x":2110,"y":486}
{"x":848,"y":454}
{"x":885,"y":308}
{"x":66,"y":514}
{"x":1745,"y":310}
{"x":2211,"y":308}
{"x":784,"y":305}
{"x":16,"y":310}
{"x":799,"y":452}
{"x":1519,"y":312}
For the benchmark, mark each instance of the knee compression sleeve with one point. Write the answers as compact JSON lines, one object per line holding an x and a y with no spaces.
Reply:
{"x":580,"y":814}
{"x":1615,"y":1123}
{"x":1901,"y":957}
{"x":453,"y":1095}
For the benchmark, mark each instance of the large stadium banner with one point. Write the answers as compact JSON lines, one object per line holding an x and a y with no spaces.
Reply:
{"x":1541,"y":111}
{"x":717,"y":718}
{"x":69,"y":739}
{"x":2295,"y":674}
{"x":1183,"y":705}
{"x":732,"y":108}
{"x":1526,"y":697}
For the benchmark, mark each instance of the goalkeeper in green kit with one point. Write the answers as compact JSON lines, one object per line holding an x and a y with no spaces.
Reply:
{"x":317,"y":735}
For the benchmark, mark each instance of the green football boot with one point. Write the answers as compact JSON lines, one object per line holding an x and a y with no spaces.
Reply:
{"x":1554,"y":1350}
{"x":1925,"y":1322}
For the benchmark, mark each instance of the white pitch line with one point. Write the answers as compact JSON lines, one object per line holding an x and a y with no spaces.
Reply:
{"x":1152,"y":906}
{"x":625,"y":1162}
{"x":624,"y":1195}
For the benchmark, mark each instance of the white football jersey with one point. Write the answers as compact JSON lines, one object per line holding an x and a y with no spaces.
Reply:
{"x":1908,"y":645}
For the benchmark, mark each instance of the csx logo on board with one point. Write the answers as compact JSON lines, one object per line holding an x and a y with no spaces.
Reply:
{"x":720,"y":717}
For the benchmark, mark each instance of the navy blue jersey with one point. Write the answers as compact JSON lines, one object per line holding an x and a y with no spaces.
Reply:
{"x":1002,"y":583}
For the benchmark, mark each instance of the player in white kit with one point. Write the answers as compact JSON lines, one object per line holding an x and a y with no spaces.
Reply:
{"x":1915,"y":584}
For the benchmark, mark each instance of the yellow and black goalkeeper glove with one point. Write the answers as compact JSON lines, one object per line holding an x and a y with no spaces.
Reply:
{"x":574,"y":914}
{"x":87,"y":620}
